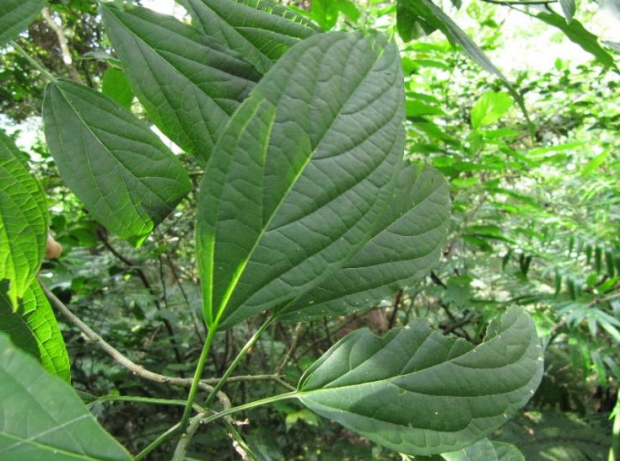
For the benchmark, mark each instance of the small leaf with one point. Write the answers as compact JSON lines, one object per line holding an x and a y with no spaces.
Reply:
{"x":188,"y":83}
{"x":578,"y":34}
{"x":23,"y":221}
{"x":325,"y":13}
{"x":405,"y":246}
{"x":486,"y":449}
{"x":418,"y":392}
{"x":259,"y":30}
{"x":116,"y":86}
{"x":16,"y":15}
{"x":42,"y":416}
{"x":568,"y":8}
{"x":124,"y":174}
{"x":34,"y":329}
{"x":299,"y":178}
{"x":489,"y":108}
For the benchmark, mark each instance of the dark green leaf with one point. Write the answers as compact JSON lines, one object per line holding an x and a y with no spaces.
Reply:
{"x":16,"y":15}
{"x":259,"y":30}
{"x":34,"y":329}
{"x":43,"y":418}
{"x":189,"y":84}
{"x":125,"y":175}
{"x":578,"y":34}
{"x":300,"y":175}
{"x":23,"y":221}
{"x":418,"y":392}
{"x":407,"y":243}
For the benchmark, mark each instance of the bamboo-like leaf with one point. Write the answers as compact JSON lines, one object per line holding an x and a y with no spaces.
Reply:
{"x":34,"y":329}
{"x":301,"y":174}
{"x":406,"y":244}
{"x":418,"y":392}
{"x":23,"y":221}
{"x":189,"y":84}
{"x":127,"y":178}
{"x":16,"y":15}
{"x":43,"y":418}
{"x":260,"y":30}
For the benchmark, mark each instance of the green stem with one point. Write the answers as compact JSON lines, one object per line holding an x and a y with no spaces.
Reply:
{"x":159,"y":440}
{"x":140,"y":399}
{"x":614,"y":450}
{"x":237,"y":360}
{"x":239,"y":439}
{"x":33,"y":61}
{"x":197,"y":376}
{"x":252,"y":405}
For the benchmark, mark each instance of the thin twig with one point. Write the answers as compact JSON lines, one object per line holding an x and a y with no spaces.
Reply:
{"x":64,"y":45}
{"x":291,"y":349}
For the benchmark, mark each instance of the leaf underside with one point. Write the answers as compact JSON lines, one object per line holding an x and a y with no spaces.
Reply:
{"x":122,"y":172}
{"x":405,"y":245}
{"x":300,"y":175}
{"x":23,"y":221}
{"x":418,"y":392}
{"x":189,"y":84}
{"x":42,"y":418}
{"x":259,"y":30}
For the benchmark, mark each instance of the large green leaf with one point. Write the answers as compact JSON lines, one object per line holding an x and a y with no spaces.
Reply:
{"x":260,"y":30}
{"x":406,"y":244}
{"x":43,"y":418}
{"x":301,"y":174}
{"x":125,"y":175}
{"x":578,"y":34}
{"x":34,"y":329}
{"x":486,"y":449}
{"x":418,"y":392}
{"x":189,"y":84}
{"x":23,"y":221}
{"x":16,"y":15}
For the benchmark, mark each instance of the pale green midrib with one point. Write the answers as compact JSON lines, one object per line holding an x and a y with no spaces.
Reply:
{"x":119,"y":162}
{"x":311,"y":154}
{"x":390,"y":379}
{"x":43,"y":446}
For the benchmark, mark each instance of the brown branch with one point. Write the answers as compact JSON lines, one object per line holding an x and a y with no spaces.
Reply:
{"x":291,"y":350}
{"x":64,"y":45}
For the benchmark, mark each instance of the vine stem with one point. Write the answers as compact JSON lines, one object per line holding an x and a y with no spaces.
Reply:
{"x":33,"y":61}
{"x":218,"y":386}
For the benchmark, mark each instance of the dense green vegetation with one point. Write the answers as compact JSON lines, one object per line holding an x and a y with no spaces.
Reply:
{"x":311,"y":230}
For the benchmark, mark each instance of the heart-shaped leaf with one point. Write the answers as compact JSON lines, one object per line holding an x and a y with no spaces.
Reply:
{"x":406,"y":244}
{"x":42,"y":416}
{"x":418,"y":392}
{"x":124,"y":174}
{"x":259,"y":30}
{"x":23,"y":221}
{"x":189,"y":84}
{"x":301,"y":174}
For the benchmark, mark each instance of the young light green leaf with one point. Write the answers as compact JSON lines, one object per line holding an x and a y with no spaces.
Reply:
{"x":489,"y":108}
{"x":486,"y":449}
{"x":578,"y":34}
{"x":435,"y":18}
{"x":325,"y":13}
{"x":189,"y":84}
{"x":23,"y":221}
{"x":259,"y":30}
{"x":34,"y":329}
{"x":300,"y":175}
{"x":42,"y":416}
{"x":116,"y":86}
{"x":405,"y":245}
{"x":418,"y":392}
{"x":125,"y":175}
{"x":16,"y":15}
